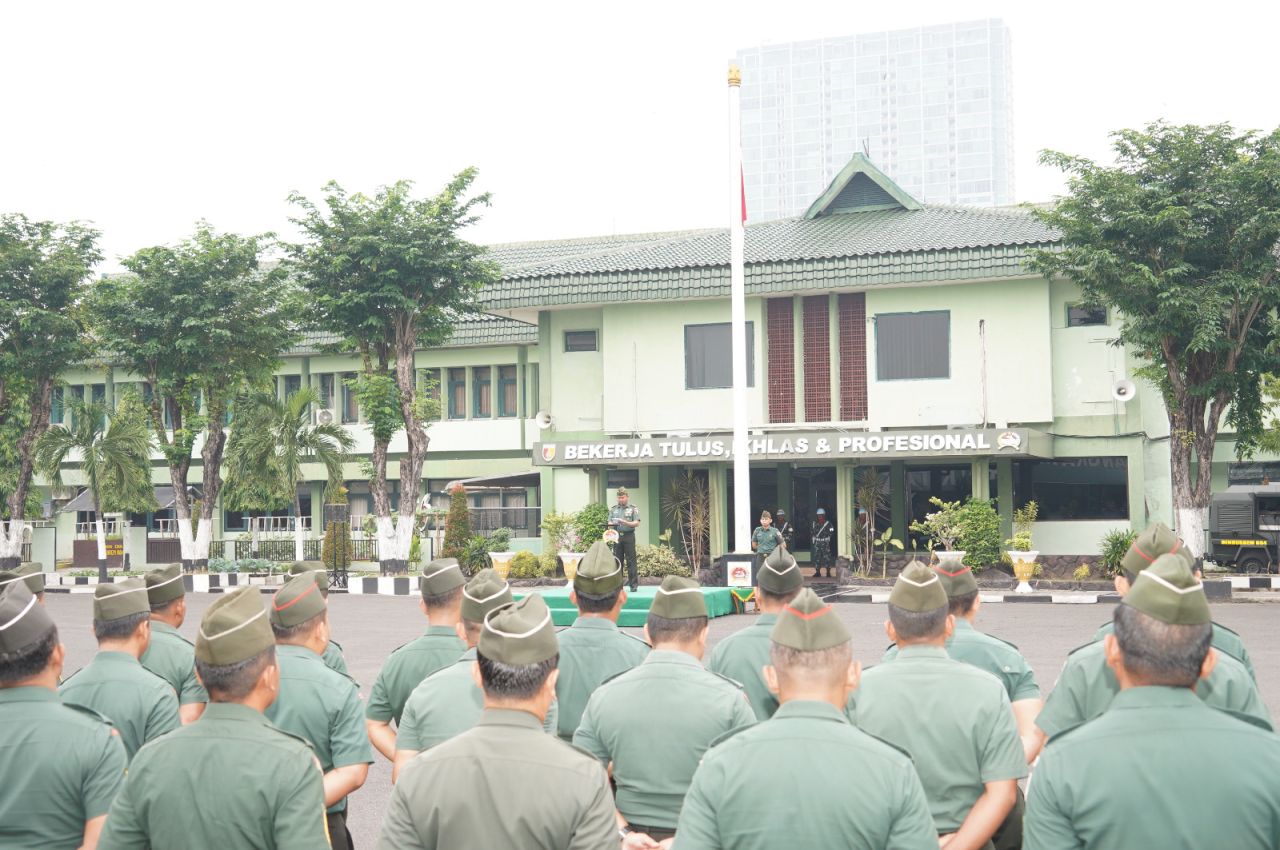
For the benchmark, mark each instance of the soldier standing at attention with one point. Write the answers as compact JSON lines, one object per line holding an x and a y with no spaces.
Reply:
{"x":139,"y":704}
{"x":316,"y":703}
{"x":823,"y":531}
{"x":441,"y":587}
{"x":954,"y":719}
{"x":764,"y":539}
{"x":32,"y":573}
{"x":333,"y":650}
{"x":1094,"y":785}
{"x":743,"y":655}
{"x":806,"y":759}
{"x":785,"y":528}
{"x":505,"y":783}
{"x":61,"y":766}
{"x":594,"y":649}
{"x":169,"y":655}
{"x":653,"y":723}
{"x":625,"y":517}
{"x":230,"y":780}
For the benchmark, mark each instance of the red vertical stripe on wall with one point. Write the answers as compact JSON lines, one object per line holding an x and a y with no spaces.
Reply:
{"x":781,"y":378}
{"x":853,"y":357}
{"x":817,"y":359}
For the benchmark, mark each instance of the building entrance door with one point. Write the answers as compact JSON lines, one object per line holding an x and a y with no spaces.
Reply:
{"x":811,"y":488}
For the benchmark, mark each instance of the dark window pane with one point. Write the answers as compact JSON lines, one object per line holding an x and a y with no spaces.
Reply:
{"x":292,"y":384}
{"x":507,"y":399}
{"x":481,"y":377}
{"x":708,"y":356}
{"x":326,"y":391}
{"x":629,"y":478}
{"x":1075,"y":488}
{"x":430,"y":388}
{"x":350,"y":407}
{"x":458,"y":393}
{"x":579,"y":340}
{"x":1079,"y":315}
{"x":913,"y":346}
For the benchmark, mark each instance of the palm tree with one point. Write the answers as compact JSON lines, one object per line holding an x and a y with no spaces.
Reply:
{"x":112,"y":453}
{"x":269,"y":443}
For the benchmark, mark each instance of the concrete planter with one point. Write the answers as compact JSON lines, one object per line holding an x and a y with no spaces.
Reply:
{"x":1024,"y":568}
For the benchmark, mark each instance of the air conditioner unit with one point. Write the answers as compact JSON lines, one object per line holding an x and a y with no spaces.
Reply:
{"x":324,"y":417}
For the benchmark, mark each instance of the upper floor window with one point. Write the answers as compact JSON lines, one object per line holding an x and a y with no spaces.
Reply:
{"x":708,"y":356}
{"x":913,"y":346}
{"x":507,"y":399}
{"x":1079,"y":316}
{"x":350,"y":405}
{"x":458,"y":393}
{"x":482,"y":378}
{"x":292,"y":384}
{"x":429,"y":387}
{"x":580,"y":341}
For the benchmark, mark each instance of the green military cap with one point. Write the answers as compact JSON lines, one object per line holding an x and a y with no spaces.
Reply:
{"x":122,"y":599}
{"x":440,"y":576}
{"x":599,"y":572}
{"x":23,"y":623}
{"x":622,"y":491}
{"x":809,"y":624}
{"x":679,"y":598}
{"x":779,"y":573}
{"x":520,"y":633}
{"x":485,"y":592}
{"x":297,"y":601}
{"x":957,"y":582}
{"x":1169,"y":592}
{"x":317,"y":571}
{"x":234,"y":629}
{"x":918,"y":589}
{"x":164,"y":584}
{"x":1156,"y":539}
{"x":30,"y":573}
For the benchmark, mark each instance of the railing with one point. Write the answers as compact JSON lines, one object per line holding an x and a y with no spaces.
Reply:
{"x":26,"y":552}
{"x":278,"y":524}
{"x":85,"y":530}
{"x":283,"y":550}
{"x":523,"y":522}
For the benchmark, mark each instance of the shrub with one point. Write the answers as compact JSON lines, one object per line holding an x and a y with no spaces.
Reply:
{"x":216,"y":565}
{"x":335,"y":551}
{"x":1082,"y":572}
{"x":590,"y":523}
{"x":526,"y":565}
{"x":457,"y":527}
{"x":500,"y":540}
{"x":659,"y":562}
{"x":1024,"y":518}
{"x":978,"y":533}
{"x":942,"y":527}
{"x":474,"y":555}
{"x":1114,"y":546}
{"x":559,"y":534}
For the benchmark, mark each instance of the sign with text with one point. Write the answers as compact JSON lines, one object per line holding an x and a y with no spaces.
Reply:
{"x":812,"y":446}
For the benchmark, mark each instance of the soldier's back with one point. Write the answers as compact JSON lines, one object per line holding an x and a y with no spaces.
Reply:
{"x":172,"y":657}
{"x":407,"y":666}
{"x":592,"y":651}
{"x":445,"y":704}
{"x":139,"y":704}
{"x":741,"y":656}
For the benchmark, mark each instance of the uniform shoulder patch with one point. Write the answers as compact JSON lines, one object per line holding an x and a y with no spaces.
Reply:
{"x":89,"y":713}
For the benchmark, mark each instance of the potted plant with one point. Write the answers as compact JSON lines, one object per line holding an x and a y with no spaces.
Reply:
{"x":1020,"y":551}
{"x":942,"y":527}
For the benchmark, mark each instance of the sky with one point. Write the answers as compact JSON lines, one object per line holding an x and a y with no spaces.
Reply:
{"x":582,"y":118}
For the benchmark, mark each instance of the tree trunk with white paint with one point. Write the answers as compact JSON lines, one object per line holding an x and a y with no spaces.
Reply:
{"x":11,"y":543}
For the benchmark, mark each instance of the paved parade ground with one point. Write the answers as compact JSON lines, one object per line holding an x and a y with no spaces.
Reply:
{"x":370,"y":627}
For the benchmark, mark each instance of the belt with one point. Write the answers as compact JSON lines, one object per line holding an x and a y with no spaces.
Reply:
{"x":658,"y":833}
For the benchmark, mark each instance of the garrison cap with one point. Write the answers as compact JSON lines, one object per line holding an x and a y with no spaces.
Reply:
{"x":122,"y":599}
{"x":31,"y":573}
{"x":485,"y":592}
{"x":779,"y":573}
{"x":1155,"y":540}
{"x":317,"y":570}
{"x":1169,"y":592}
{"x":956,"y":582}
{"x":599,"y":572}
{"x":679,"y":598}
{"x":297,"y":601}
{"x":23,"y":623}
{"x":234,"y":629}
{"x":164,"y":584}
{"x":809,"y":625}
{"x":440,"y":576}
{"x":918,"y":589}
{"x":520,"y":633}
{"x":622,"y":491}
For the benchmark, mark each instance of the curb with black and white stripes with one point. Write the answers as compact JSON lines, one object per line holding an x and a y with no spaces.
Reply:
{"x":882,"y":596}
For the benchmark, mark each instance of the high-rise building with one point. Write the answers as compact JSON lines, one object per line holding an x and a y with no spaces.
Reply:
{"x":930,"y":106}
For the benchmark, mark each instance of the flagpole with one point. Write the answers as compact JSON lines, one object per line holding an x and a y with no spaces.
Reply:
{"x":738,"y":329}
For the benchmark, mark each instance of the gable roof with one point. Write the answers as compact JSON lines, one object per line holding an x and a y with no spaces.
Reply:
{"x":860,"y":186}
{"x":469,"y":330}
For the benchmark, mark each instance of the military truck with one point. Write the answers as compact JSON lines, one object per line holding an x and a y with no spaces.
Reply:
{"x":1244,"y":528}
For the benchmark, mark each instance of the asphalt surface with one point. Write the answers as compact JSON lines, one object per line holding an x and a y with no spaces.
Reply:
{"x":370,"y":627}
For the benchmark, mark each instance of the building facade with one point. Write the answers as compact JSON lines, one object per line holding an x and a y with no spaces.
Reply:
{"x":931,"y":106}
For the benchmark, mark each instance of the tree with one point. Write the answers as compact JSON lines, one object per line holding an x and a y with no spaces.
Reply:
{"x":1180,"y":237}
{"x":43,"y":269}
{"x":270,"y":442}
{"x":112,"y":454}
{"x":457,"y":525}
{"x":200,"y":322}
{"x":388,"y":274}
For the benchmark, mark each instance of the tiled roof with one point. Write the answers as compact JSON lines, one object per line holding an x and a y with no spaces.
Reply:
{"x":469,"y":330}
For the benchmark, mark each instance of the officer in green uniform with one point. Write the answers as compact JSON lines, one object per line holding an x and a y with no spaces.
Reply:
{"x":60,"y":767}
{"x":441,"y":587}
{"x":954,"y":719}
{"x":743,"y":655}
{"x":318,"y":704}
{"x":230,"y":780}
{"x":1159,"y":540}
{"x":333,"y":650}
{"x":1116,"y":781}
{"x":169,"y":655}
{"x":505,"y":783}
{"x":625,"y":517}
{"x":764,"y":539}
{"x":807,"y":777}
{"x":594,"y":649}
{"x":30,"y":572}
{"x":139,"y":704}
{"x":653,"y":723}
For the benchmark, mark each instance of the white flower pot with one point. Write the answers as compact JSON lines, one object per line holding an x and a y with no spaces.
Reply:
{"x":570,"y":561}
{"x":950,"y":560}
{"x":1024,"y":564}
{"x":502,"y":563}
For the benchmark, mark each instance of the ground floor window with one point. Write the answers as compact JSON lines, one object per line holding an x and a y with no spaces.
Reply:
{"x":1081,"y":488}
{"x":622,"y":478}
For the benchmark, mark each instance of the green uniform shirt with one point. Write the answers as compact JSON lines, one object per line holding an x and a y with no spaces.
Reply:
{"x":230,"y":780}
{"x":139,"y":704}
{"x":654,"y":723}
{"x":592,"y":651}
{"x":502,"y":784}
{"x":766,"y":539}
{"x":446,"y":704}
{"x":1223,"y":640}
{"x":1000,"y":659}
{"x":172,"y":657}
{"x":1158,"y":769}
{"x":323,"y":708}
{"x":61,"y":767}
{"x":836,"y":786}
{"x":333,"y":658}
{"x":1086,"y":687}
{"x":407,"y":667}
{"x":630,"y":513}
{"x":954,"y":719}
{"x":741,"y":656}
